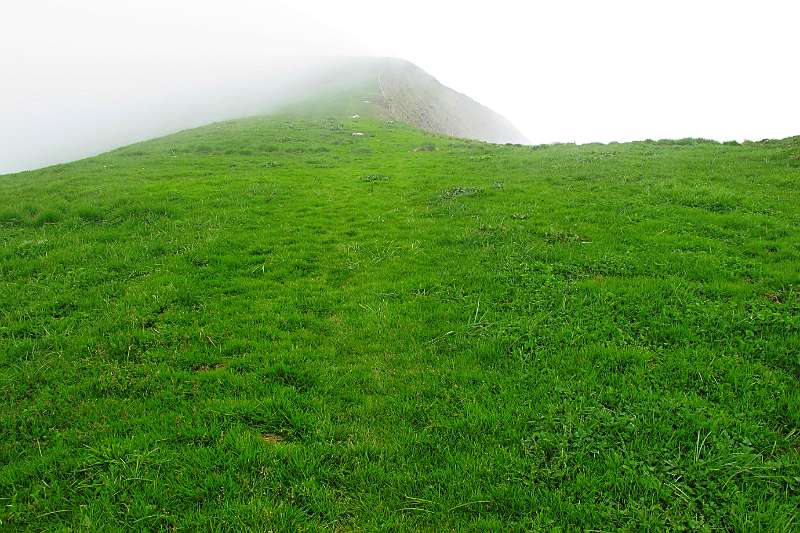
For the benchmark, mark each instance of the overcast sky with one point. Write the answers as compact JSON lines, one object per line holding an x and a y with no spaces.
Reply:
{"x":83,"y":76}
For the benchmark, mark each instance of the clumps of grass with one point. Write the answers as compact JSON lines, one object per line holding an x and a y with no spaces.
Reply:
{"x":687,"y":141}
{"x":47,"y":217}
{"x":208,"y":367}
{"x":9,"y":217}
{"x":282,"y":374}
{"x":456,"y":192}
{"x":559,"y":236}
{"x":239,"y":151}
{"x":299,"y":150}
{"x":32,"y":248}
{"x":427,"y":147}
{"x":272,"y":164}
{"x":91,"y":214}
{"x":142,"y":213}
{"x":710,"y":198}
{"x":331,"y":124}
{"x":133,"y":153}
{"x":198,"y":260}
{"x":274,"y":420}
{"x":307,"y":150}
{"x":317,"y":163}
{"x":29,"y":215}
{"x":594,"y":156}
{"x":375,"y":177}
{"x":62,"y":309}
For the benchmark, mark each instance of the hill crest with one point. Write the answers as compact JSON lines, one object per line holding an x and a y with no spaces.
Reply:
{"x":396,"y":89}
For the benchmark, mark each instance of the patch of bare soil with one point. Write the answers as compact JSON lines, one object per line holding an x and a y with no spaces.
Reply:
{"x":272,"y":438}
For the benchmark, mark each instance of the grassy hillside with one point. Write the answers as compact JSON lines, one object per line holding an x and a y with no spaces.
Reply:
{"x":395,"y":89}
{"x":272,"y":324}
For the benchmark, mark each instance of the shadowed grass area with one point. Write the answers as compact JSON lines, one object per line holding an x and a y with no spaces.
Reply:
{"x":272,"y":324}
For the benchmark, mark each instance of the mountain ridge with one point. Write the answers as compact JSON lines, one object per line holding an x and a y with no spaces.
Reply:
{"x":406,"y":89}
{"x":396,"y":89}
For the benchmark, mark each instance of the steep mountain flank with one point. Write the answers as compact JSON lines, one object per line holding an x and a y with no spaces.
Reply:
{"x":409,"y":94}
{"x":395,"y":89}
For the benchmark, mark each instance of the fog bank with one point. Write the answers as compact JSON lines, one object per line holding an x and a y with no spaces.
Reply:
{"x":86,"y":77}
{"x":83,"y":76}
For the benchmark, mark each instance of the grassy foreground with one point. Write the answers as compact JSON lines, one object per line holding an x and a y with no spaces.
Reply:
{"x":272,"y":324}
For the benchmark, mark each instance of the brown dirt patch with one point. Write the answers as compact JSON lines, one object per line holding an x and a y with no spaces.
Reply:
{"x":774,"y":297}
{"x":272,"y":438}
{"x":208,"y":368}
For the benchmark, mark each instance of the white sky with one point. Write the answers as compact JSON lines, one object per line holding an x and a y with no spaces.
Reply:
{"x":81,"y":76}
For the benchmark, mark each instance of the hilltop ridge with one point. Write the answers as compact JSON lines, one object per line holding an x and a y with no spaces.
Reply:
{"x":382,"y":88}
{"x":410,"y":94}
{"x":396,"y":89}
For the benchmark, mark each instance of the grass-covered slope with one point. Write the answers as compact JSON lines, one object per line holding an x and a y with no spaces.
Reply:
{"x":272,"y":324}
{"x":395,"y":89}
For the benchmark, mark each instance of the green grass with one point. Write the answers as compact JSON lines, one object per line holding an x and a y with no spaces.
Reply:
{"x":272,"y":324}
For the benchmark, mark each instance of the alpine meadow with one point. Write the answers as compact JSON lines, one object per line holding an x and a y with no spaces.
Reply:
{"x":338,"y":317}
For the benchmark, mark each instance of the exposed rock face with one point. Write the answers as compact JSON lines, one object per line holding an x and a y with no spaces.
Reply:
{"x":394,"y":89}
{"x":409,"y":94}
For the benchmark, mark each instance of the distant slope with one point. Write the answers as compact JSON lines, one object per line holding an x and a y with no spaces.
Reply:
{"x":310,"y":88}
{"x":396,"y":89}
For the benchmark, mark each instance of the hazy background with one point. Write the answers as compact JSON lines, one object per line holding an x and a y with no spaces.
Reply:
{"x":82,"y":76}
